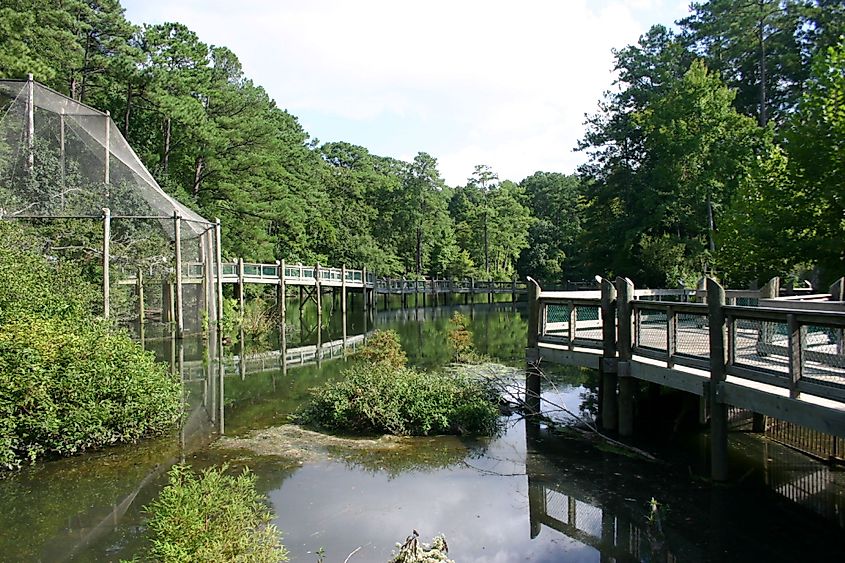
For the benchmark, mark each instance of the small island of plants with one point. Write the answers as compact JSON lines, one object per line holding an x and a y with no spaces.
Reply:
{"x":381,"y":394}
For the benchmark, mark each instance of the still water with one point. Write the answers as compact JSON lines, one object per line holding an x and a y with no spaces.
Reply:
{"x":526,"y":494}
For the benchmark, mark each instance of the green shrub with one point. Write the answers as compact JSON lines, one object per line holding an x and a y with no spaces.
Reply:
{"x":68,"y":381}
{"x":66,"y":386}
{"x":376,"y":398}
{"x":212,"y":518}
{"x":460,"y":339}
{"x":383,"y":348}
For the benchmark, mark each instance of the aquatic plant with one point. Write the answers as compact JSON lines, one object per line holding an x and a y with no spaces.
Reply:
{"x":383,"y":348}
{"x":212,"y":517}
{"x":377,"y":398}
{"x":460,"y":339}
{"x":259,"y":318}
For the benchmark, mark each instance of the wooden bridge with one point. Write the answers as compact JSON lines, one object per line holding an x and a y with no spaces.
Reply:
{"x":311,"y":281}
{"x":776,"y":357}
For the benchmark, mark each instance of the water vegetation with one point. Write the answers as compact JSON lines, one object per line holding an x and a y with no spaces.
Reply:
{"x":381,"y":394}
{"x":68,"y":381}
{"x":212,"y":517}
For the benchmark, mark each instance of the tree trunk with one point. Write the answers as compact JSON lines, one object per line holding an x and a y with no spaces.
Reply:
{"x":165,"y":156}
{"x":128,"y":111}
{"x":761,"y":63}
{"x":198,"y":175}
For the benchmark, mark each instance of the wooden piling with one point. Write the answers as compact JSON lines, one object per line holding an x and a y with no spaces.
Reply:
{"x":241,"y":287}
{"x":609,"y":406}
{"x":718,"y":358}
{"x":343,"y":293}
{"x":139,"y":293}
{"x":282,"y":292}
{"x":318,"y":295}
{"x":627,"y":385}
{"x":532,"y":372}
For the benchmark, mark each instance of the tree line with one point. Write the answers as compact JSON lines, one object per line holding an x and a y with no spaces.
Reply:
{"x":719,"y":148}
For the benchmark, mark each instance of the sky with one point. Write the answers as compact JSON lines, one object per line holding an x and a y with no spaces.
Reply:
{"x":504,"y":84}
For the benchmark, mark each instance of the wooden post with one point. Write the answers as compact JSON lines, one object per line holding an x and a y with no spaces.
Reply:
{"x":837,"y":293}
{"x":837,"y":290}
{"x":513,"y":290}
{"x":318,"y":294}
{"x":532,"y":373}
{"x":106,"y":260}
{"x":404,"y":295}
{"x":218,"y":264}
{"x":139,"y":293}
{"x":489,"y":291}
{"x":794,"y":353}
{"x":627,"y":385}
{"x":718,"y":372}
{"x":769,"y":291}
{"x":608,"y":405}
{"x":364,"y":288}
{"x":241,"y":287}
{"x":671,"y":336}
{"x":177,"y":235}
{"x":282,"y":293}
{"x":343,"y":292}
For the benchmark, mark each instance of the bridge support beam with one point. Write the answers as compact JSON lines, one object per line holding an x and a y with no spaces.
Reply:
{"x":627,"y":384}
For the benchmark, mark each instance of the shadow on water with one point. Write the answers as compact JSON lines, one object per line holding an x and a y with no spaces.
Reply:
{"x":527,"y":494}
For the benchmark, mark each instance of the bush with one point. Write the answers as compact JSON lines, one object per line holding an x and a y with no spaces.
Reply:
{"x":384,"y":349}
{"x":460,"y":338}
{"x":66,"y":386}
{"x":68,"y":381}
{"x":212,"y":517}
{"x":377,"y":398}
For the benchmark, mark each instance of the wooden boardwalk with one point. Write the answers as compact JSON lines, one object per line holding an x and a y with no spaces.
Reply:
{"x":783,"y":361}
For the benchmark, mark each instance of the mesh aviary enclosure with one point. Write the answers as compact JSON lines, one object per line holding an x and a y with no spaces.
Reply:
{"x":71,"y":177}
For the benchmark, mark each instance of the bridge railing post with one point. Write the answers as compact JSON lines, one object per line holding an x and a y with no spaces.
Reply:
{"x":837,"y":293}
{"x":608,"y":365}
{"x":627,"y":385}
{"x":718,"y":372}
{"x":532,"y":353}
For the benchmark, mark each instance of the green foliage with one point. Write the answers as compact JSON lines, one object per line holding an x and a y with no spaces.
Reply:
{"x":376,"y":398}
{"x":212,"y":517}
{"x":259,"y":318}
{"x":383,"y":348}
{"x":68,"y":381}
{"x":460,"y":339}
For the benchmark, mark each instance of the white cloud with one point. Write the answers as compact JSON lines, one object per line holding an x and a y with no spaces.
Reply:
{"x":470,"y":82}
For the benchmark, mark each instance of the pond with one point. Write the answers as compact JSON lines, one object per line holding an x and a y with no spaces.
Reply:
{"x":526,"y":494}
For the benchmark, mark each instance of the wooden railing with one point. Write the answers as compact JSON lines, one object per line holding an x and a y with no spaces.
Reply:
{"x":798,"y":350}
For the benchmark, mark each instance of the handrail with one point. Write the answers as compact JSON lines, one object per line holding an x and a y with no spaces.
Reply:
{"x":794,"y":348}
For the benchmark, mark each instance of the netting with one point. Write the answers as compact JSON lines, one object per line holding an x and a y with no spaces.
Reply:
{"x":68,"y":173}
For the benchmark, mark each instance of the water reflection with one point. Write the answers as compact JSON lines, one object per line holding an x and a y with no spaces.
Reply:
{"x":526,"y":495}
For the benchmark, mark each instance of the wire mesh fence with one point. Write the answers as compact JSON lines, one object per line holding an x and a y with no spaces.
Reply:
{"x":691,"y":336}
{"x":650,"y":328}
